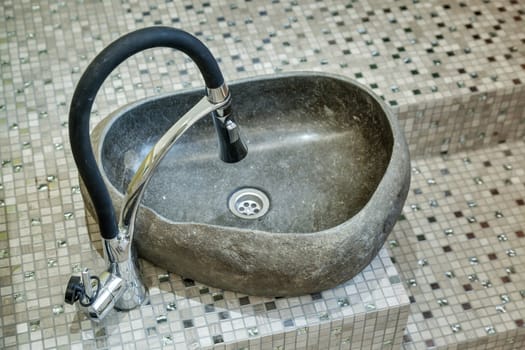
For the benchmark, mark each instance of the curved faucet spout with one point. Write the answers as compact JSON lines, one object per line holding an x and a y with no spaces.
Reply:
{"x":141,"y":178}
{"x":121,"y":286}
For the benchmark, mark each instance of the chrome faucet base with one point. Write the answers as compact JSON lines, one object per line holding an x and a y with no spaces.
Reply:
{"x":135,"y":291}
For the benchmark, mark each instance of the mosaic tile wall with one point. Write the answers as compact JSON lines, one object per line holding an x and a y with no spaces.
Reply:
{"x":453,"y":71}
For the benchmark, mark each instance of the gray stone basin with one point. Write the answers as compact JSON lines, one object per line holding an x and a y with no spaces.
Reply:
{"x":329,"y":156}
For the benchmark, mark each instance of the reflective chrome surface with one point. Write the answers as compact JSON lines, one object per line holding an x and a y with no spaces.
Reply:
{"x":146,"y":169}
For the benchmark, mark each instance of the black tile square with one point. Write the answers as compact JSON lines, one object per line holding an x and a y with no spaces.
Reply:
{"x":430,"y":343}
{"x":218,"y":339}
{"x":427,"y":314}
{"x":270,"y":306}
{"x":244,"y":301}
{"x":316,"y":296}
{"x":188,"y":282}
{"x":506,"y":279}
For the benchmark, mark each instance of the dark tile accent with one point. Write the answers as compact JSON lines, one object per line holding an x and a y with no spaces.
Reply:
{"x":188,"y":282}
{"x":244,"y":301}
{"x":467,"y":287}
{"x":270,"y":306}
{"x":471,"y":235}
{"x":447,"y":249}
{"x":492,"y":256}
{"x":427,"y":314}
{"x":218,"y":339}
{"x":434,"y":285}
{"x":288,"y":323}
{"x":187,"y":323}
{"x":316,"y":296}
{"x":466,"y":306}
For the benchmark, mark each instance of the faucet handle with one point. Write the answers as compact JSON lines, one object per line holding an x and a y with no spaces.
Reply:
{"x":74,"y":290}
{"x":80,"y":288}
{"x":96,"y":300}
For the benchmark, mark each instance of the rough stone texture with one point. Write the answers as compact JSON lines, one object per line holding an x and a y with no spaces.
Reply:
{"x":330,"y":155}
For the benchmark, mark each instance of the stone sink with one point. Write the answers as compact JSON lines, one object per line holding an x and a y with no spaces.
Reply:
{"x":325,"y":179}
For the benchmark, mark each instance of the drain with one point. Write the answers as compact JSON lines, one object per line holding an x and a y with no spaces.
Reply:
{"x":249,"y":203}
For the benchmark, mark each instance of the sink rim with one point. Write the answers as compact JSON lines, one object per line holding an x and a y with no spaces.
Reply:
{"x":102,"y":128}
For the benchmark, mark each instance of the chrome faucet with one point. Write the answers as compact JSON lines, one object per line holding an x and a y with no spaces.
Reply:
{"x":121,"y":286}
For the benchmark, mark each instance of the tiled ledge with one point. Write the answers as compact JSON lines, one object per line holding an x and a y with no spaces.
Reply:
{"x":454,"y":72}
{"x":460,"y":249}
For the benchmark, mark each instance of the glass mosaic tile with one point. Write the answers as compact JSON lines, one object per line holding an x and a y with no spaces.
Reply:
{"x":453,"y":72}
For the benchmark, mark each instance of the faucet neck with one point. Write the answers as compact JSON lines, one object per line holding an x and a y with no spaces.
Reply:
{"x":142,"y":176}
{"x":86,"y":91}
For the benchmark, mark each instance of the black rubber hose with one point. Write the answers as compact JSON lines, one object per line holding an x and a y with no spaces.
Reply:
{"x":87,"y":89}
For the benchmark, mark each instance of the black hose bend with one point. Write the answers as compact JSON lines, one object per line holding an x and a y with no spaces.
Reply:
{"x":88,"y":86}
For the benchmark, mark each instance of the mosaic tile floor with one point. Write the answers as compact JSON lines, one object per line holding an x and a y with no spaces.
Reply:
{"x":453,"y":71}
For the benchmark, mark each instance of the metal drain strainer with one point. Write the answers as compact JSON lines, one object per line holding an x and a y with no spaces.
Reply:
{"x":249,"y":203}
